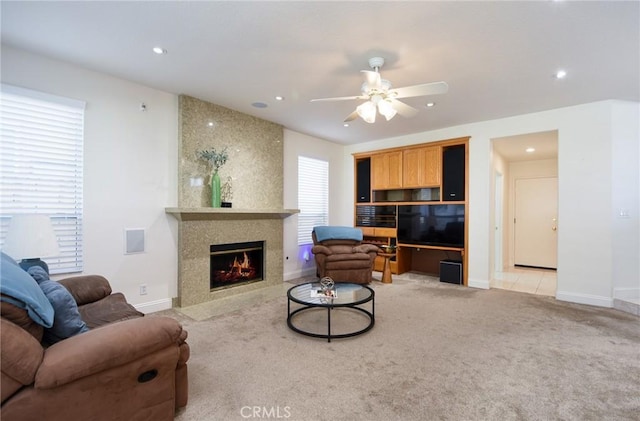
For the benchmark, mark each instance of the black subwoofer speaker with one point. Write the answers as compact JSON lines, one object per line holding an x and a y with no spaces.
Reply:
{"x":451,"y":271}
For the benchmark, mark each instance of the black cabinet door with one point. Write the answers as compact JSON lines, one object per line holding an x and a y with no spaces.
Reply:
{"x":363,"y":180}
{"x":453,"y":173}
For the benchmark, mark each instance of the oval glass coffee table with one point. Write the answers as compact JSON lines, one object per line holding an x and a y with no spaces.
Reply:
{"x":348,"y":296}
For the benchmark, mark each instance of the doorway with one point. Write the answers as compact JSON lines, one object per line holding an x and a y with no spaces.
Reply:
{"x":498,"y":264}
{"x":522,"y":163}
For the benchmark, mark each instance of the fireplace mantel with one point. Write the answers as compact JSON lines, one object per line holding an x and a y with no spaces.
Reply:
{"x":221,"y":214}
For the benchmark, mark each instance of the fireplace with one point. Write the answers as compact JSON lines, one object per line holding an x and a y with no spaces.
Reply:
{"x":235,"y":264}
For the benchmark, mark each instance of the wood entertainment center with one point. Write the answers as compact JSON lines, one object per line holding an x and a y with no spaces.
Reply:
{"x":415,"y":197}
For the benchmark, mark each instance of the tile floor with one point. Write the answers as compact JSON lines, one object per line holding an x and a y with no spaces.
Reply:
{"x":532,"y":281}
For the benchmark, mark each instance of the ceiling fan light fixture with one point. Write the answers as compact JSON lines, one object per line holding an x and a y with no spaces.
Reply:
{"x":386,"y":109}
{"x":367,"y":111}
{"x":380,"y":97}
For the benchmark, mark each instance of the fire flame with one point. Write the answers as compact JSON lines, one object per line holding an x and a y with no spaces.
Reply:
{"x":238,"y":266}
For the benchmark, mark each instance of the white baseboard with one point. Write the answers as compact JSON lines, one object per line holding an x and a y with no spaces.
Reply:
{"x":299,"y":274}
{"x":479,"y":283}
{"x":627,"y":306}
{"x":153,"y":306}
{"x":626,"y":293}
{"x":594,"y":300}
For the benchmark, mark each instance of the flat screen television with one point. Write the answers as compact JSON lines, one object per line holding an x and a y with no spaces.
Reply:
{"x":431,"y":225}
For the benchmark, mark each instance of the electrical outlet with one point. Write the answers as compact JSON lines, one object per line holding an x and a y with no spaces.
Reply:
{"x":143,"y":289}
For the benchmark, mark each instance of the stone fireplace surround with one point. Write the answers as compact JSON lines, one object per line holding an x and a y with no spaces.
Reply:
{"x":255,"y":163}
{"x":201,"y":227}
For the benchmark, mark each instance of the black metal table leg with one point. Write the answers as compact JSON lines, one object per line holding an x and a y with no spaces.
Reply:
{"x":328,"y":324}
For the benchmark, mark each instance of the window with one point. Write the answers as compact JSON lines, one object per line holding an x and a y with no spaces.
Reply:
{"x":313,"y":196}
{"x":41,"y":143}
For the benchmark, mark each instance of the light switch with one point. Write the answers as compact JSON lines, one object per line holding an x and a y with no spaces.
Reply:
{"x":624,"y":213}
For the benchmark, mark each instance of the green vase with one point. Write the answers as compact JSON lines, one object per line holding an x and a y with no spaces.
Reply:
{"x":215,"y":190}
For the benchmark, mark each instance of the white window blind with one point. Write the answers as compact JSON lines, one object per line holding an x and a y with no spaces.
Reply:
{"x":313,"y":196}
{"x":41,"y":160}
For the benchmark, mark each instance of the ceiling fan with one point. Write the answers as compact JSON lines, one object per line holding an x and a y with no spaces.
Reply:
{"x":380,"y":96}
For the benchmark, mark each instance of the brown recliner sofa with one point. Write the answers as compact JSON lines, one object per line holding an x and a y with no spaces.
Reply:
{"x":343,"y":259}
{"x":126,"y":367}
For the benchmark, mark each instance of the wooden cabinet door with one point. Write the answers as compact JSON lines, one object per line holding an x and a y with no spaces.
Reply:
{"x":431,"y":166}
{"x":386,"y":171}
{"x":422,"y":167}
{"x":379,"y":171}
{"x":395,"y":170}
{"x":411,"y":168}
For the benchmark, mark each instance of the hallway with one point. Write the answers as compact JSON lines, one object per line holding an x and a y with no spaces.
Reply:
{"x":529,"y":280}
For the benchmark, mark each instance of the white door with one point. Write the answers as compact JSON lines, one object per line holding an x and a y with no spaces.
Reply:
{"x":536,"y":224}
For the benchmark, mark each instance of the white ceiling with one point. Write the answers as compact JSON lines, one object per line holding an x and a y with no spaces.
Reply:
{"x":514,"y":148}
{"x":499,"y":58}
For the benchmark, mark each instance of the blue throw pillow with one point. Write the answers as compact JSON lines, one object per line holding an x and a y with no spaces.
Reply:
{"x":21,"y":290}
{"x":324,"y":233}
{"x":66,"y":320}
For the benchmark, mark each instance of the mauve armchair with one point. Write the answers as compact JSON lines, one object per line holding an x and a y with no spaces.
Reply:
{"x":126,"y":367}
{"x":340,"y":254}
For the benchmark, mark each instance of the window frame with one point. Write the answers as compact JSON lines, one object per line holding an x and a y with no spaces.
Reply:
{"x":313,"y":196}
{"x":41,"y":167}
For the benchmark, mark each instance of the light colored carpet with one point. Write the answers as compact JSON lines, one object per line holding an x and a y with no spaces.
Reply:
{"x":437,"y":352}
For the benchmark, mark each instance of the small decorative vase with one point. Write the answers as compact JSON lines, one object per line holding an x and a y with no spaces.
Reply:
{"x":215,"y":190}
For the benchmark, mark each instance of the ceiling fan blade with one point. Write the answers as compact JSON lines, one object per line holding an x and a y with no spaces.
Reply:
{"x":373,"y":79}
{"x":340,"y":98}
{"x":403,"y":109}
{"x":351,"y":116}
{"x":433,"y":88}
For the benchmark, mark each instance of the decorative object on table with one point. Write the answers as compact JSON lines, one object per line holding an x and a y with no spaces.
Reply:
{"x":327,"y":289}
{"x":31,"y":237}
{"x":216,"y":160}
{"x":327,"y":283}
{"x":226,"y":193}
{"x":388,"y":249}
{"x":324,"y":294}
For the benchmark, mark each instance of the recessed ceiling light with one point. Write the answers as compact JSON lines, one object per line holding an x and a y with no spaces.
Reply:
{"x":561,"y":74}
{"x":259,"y":105}
{"x":210,"y":124}
{"x":280,"y":98}
{"x":159,"y":50}
{"x":530,"y":150}
{"x":430,"y":104}
{"x":346,"y":124}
